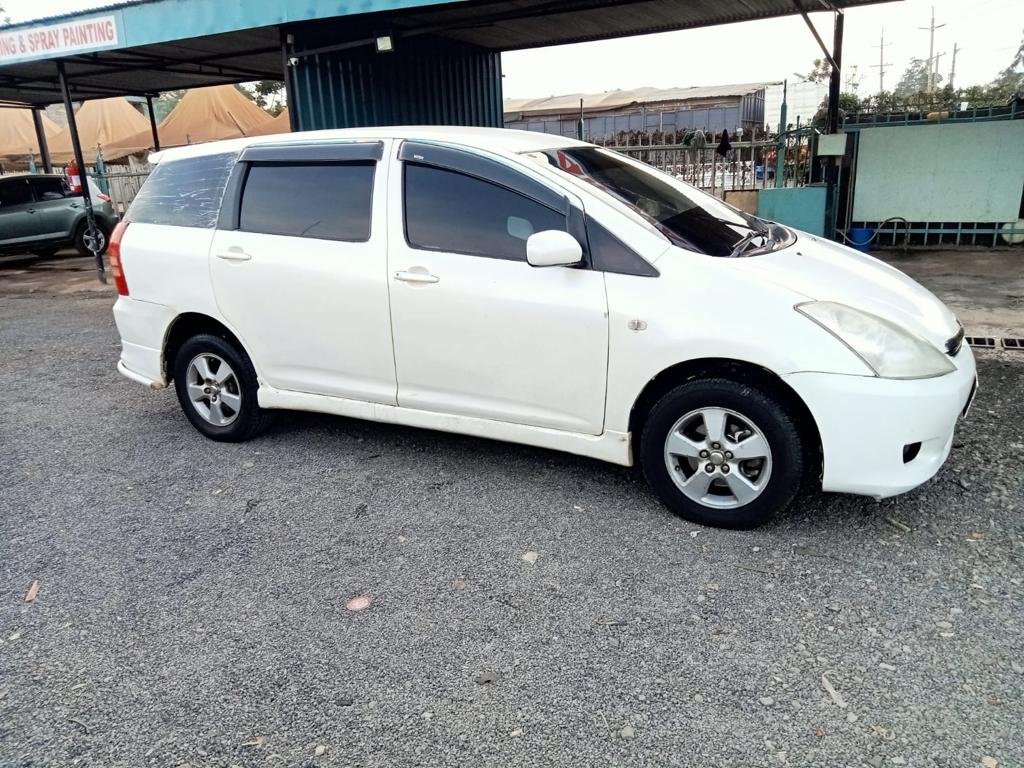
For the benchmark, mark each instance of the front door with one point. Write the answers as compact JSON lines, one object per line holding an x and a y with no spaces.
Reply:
{"x":19,"y":220}
{"x":478,"y":331}
{"x":302,"y":278}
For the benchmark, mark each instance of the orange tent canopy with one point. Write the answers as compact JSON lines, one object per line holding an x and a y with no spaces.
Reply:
{"x":100,"y":123}
{"x":278,"y":124}
{"x":203,"y":114}
{"x":18,"y":134}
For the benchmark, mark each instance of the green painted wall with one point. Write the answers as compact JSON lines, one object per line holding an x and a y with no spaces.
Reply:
{"x":947,"y":172}
{"x":802,"y":208}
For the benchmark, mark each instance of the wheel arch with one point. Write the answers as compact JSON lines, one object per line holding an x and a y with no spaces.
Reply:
{"x":742,"y":372}
{"x":189,"y":324}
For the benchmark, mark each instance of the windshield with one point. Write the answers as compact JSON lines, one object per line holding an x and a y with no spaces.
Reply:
{"x":682,"y":213}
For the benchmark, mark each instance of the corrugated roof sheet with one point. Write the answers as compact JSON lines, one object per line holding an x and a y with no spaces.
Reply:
{"x":617,"y":99}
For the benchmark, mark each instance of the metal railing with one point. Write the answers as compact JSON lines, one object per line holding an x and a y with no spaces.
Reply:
{"x":748,"y":165}
{"x":120,"y":183}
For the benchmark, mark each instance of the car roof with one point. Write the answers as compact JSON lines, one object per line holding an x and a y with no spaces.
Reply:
{"x":502,"y":140}
{"x":26,"y":175}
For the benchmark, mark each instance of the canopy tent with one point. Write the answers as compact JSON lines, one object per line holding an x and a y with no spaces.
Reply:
{"x":18,"y":135}
{"x":100,"y":123}
{"x":203,"y":114}
{"x":279,"y":124}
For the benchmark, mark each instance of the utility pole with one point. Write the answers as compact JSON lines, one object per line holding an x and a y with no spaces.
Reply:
{"x":952,"y":67}
{"x":882,"y":64}
{"x":935,"y":69}
{"x":931,"y":50}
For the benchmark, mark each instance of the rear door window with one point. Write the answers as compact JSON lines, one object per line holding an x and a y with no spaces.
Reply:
{"x":325,"y":201}
{"x":48,"y":188}
{"x":184,"y":193}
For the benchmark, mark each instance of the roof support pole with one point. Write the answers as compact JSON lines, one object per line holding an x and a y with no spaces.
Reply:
{"x":834,"y":79}
{"x":289,"y":83}
{"x":152,"y":122}
{"x":76,"y":146}
{"x":44,"y":149}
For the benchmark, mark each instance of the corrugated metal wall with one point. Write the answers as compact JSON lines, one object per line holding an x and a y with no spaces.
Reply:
{"x":422,"y":82}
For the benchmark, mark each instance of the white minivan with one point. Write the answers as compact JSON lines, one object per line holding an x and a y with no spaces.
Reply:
{"x":540,"y":290}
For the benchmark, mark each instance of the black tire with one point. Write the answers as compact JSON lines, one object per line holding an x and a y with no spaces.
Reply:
{"x":760,"y":408}
{"x":250,"y":419}
{"x":80,"y":234}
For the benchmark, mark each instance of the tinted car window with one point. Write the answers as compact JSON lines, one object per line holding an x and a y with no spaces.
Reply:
{"x":48,"y":188}
{"x":327,"y":201}
{"x":609,"y":254}
{"x":14,"y":192}
{"x":183,"y":193}
{"x":449,"y":211}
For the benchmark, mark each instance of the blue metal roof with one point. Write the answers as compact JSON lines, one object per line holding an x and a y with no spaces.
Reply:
{"x":148,"y":46}
{"x":150,"y":22}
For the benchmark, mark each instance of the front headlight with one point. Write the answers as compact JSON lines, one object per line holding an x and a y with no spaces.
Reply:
{"x":888,"y":350}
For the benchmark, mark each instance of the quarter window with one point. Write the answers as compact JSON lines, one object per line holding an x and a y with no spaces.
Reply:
{"x":184,"y":193}
{"x":325,"y":201}
{"x":450,"y":211}
{"x":609,"y":254}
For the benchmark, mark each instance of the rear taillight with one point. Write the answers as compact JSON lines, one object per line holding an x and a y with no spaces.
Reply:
{"x":114,"y":253}
{"x":104,"y":198}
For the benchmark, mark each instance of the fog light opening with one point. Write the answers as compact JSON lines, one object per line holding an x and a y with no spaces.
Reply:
{"x":910,"y":451}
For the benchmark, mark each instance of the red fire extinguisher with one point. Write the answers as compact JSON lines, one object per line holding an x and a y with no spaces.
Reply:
{"x":74,"y":177}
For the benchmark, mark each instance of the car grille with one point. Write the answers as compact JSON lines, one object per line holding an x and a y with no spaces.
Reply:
{"x":954,"y":343}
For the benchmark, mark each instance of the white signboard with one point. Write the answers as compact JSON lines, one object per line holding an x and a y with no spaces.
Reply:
{"x":56,"y":39}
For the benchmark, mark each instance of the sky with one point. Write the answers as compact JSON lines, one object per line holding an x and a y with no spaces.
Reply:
{"x":987,"y":33}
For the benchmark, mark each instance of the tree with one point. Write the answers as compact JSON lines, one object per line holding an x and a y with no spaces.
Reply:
{"x":1011,"y":79}
{"x":821,"y":72}
{"x":268,"y":94}
{"x":915,"y":78}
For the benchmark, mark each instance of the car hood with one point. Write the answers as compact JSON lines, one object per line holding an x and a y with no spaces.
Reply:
{"x":826,"y":271}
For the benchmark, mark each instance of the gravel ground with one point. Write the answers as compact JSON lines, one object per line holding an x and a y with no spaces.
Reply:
{"x":191,"y":608}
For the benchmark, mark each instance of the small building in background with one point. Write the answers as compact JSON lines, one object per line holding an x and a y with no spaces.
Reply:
{"x":644,"y":114}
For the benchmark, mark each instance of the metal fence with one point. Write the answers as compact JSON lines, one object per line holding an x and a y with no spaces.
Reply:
{"x":748,"y":165}
{"x":120,"y":182}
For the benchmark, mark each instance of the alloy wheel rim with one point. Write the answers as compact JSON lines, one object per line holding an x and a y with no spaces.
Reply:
{"x":94,"y":240}
{"x":718,"y":458}
{"x":213,"y":389}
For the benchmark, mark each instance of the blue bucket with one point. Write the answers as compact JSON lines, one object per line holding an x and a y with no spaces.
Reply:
{"x":860,"y":238}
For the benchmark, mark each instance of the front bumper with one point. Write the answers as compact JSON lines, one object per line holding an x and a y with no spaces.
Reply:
{"x":865,"y":423}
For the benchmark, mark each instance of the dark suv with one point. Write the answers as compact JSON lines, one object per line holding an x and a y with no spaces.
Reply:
{"x":40,"y":214}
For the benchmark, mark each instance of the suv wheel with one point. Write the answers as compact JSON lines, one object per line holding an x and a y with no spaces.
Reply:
{"x":216,"y":386}
{"x":722,"y":453}
{"x":83,"y":239}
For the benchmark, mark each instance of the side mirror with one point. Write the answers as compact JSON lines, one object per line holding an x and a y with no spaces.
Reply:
{"x":553,"y":248}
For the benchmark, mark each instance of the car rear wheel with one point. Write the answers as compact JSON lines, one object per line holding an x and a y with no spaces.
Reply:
{"x":722,"y":453}
{"x":216,"y":385}
{"x":85,"y":241}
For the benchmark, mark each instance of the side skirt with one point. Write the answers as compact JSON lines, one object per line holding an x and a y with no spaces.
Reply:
{"x":613,"y":447}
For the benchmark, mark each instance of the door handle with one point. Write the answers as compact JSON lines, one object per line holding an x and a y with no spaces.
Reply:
{"x":234,"y":254}
{"x":414,"y":276}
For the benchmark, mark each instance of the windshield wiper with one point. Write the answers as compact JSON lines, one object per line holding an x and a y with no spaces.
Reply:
{"x":749,"y":238}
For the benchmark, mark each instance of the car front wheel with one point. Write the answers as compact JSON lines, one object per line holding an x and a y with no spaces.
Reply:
{"x":722,"y":453}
